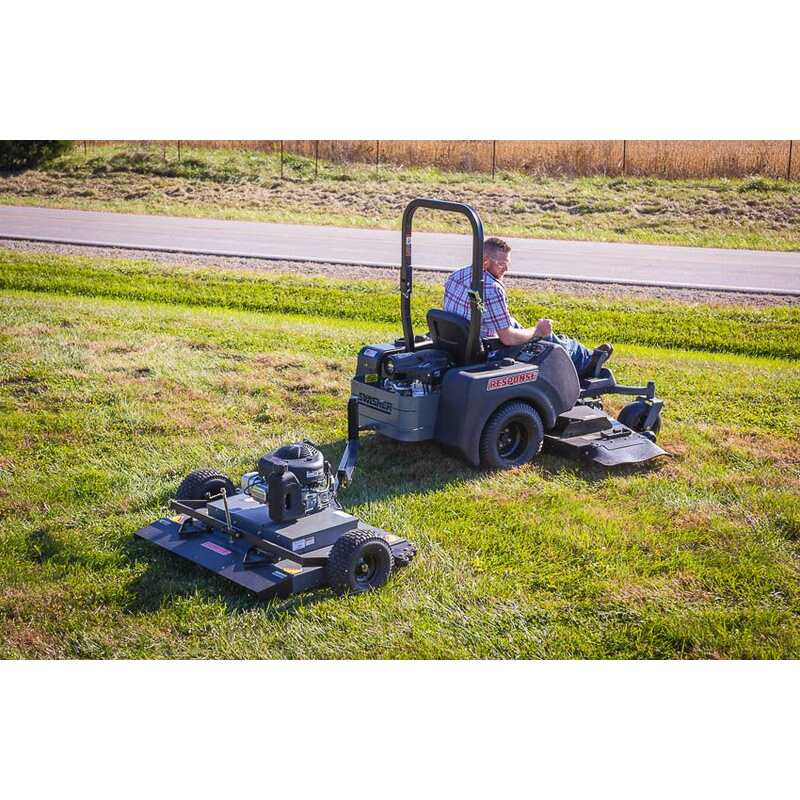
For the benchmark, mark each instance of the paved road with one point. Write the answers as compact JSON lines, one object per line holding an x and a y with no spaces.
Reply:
{"x":743,"y":270}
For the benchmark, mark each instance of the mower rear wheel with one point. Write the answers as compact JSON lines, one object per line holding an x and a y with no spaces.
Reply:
{"x":359,"y":561}
{"x":634,"y":416}
{"x":513,"y":435}
{"x":201,"y":484}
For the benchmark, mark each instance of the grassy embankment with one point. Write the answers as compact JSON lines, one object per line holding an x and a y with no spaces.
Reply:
{"x":757,"y":213}
{"x":116,"y":378}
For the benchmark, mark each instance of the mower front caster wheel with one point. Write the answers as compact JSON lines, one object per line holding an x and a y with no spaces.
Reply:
{"x":202,"y":484}
{"x":634,"y":416}
{"x":513,"y":435}
{"x":359,"y":562}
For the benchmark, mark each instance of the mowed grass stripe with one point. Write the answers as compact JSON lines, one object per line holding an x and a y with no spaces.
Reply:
{"x":729,"y":329}
{"x":695,"y":384}
{"x":107,"y":403}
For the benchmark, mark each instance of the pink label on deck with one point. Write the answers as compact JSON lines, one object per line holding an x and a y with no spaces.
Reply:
{"x":216,"y":548}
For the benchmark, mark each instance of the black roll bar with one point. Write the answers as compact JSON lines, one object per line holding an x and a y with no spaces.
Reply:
{"x":407,"y":278}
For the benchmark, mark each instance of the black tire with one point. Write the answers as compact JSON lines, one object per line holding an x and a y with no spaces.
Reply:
{"x":359,"y":562}
{"x":204,"y":483}
{"x":513,"y":435}
{"x":634,"y":415}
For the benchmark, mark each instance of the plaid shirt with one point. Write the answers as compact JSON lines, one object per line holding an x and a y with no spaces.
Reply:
{"x":456,"y":301}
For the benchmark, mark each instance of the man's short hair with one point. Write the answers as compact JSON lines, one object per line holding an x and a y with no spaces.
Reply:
{"x":493,"y":246}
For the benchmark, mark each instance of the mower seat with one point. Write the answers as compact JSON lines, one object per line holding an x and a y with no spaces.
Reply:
{"x":450,"y":332}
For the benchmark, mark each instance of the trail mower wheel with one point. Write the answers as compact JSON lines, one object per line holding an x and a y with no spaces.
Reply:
{"x":359,"y":562}
{"x":513,"y":435}
{"x":204,"y":483}
{"x":634,"y":415}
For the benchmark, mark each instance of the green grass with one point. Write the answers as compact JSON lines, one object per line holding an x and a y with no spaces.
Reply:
{"x":108,"y":398}
{"x":769,"y":332}
{"x":755,"y":213}
{"x":221,"y":165}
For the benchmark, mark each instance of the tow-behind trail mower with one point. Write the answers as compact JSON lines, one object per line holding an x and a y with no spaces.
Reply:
{"x":495,"y":405}
{"x":283,"y":530}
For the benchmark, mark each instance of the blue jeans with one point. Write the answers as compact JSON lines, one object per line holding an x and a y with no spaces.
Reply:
{"x":581,"y":355}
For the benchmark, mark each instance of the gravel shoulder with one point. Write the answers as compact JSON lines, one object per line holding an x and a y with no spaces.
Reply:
{"x":575,"y":288}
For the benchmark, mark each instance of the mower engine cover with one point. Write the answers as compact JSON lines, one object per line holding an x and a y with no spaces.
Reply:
{"x":426,"y":365}
{"x":302,"y":459}
{"x":370,"y":360}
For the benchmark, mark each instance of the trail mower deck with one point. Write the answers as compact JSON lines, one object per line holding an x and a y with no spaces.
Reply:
{"x":283,"y":531}
{"x":255,"y":561}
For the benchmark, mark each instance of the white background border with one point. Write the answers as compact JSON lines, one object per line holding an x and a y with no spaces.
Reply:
{"x":406,"y":729}
{"x":411,"y":69}
{"x":405,"y":70}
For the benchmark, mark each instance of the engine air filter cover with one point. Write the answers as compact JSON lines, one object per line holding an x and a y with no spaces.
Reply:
{"x":300,"y":458}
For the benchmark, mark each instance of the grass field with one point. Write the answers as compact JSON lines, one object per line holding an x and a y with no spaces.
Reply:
{"x":117,"y":378}
{"x":756,"y":212}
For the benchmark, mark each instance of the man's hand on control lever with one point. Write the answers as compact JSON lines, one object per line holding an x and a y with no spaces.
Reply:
{"x":543,"y":329}
{"x":517,"y":336}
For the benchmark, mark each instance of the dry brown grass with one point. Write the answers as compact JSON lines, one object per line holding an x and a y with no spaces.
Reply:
{"x":663,"y":158}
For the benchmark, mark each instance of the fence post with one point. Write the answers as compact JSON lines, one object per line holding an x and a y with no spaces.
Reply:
{"x":84,"y":148}
{"x":624,"y":155}
{"x":789,"y":165}
{"x":281,"y":159}
{"x":316,"y":158}
{"x":377,"y":153}
{"x":494,"y":156}
{"x":179,"y":151}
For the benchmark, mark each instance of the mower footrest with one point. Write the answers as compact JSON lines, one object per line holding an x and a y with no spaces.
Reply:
{"x":579,"y":421}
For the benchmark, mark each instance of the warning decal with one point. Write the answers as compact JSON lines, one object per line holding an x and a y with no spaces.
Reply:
{"x":223,"y":551}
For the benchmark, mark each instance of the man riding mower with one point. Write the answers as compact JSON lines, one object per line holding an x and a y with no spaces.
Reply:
{"x":496,"y":399}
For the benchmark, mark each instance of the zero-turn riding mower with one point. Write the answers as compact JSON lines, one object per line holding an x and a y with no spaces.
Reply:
{"x":494,"y":405}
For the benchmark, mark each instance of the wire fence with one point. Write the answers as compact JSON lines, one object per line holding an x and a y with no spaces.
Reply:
{"x":639,"y":158}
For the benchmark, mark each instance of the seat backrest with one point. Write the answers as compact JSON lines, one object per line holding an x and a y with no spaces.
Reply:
{"x":449,"y":332}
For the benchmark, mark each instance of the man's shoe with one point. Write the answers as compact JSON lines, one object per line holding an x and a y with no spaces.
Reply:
{"x":600,"y":355}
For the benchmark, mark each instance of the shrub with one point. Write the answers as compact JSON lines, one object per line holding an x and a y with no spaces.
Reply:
{"x":760,"y":184}
{"x":18,"y":155}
